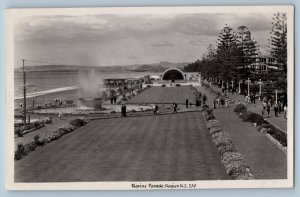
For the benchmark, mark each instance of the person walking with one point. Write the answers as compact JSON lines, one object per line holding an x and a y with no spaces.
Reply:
{"x":276,"y":110}
{"x":204,"y":99}
{"x":279,"y":107}
{"x":174,"y":107}
{"x":268,"y":109}
{"x":156,"y":109}
{"x":187,"y":103}
{"x":124,"y":110}
{"x":285,"y":111}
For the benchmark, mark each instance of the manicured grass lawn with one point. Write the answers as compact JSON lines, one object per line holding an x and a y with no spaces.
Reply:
{"x":151,"y":148}
{"x":165,"y":95}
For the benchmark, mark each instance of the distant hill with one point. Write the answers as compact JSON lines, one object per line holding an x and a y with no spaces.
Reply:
{"x":73,"y":68}
{"x":157,"y":67}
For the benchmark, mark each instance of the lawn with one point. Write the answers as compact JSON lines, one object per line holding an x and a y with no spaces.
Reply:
{"x":165,"y":95}
{"x":151,"y":148}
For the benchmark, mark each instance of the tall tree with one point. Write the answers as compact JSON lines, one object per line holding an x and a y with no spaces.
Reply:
{"x":249,"y":52}
{"x":278,"y":41}
{"x":278,"y":50}
{"x":228,"y":54}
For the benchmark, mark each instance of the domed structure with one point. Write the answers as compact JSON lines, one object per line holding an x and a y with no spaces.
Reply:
{"x":173,"y":74}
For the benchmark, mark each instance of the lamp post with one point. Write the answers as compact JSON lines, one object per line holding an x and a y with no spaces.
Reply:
{"x":248,"y":81}
{"x":276,"y":96}
{"x":24,"y":92}
{"x":259,"y":88}
{"x":239,"y":87}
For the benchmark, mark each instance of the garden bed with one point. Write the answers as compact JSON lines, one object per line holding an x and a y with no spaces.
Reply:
{"x":21,"y":129}
{"x":25,"y":149}
{"x":232,"y":160}
{"x":261,"y":124}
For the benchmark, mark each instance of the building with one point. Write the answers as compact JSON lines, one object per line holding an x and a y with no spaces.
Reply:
{"x":128,"y":82}
{"x":264,"y":63}
{"x":177,"y":75}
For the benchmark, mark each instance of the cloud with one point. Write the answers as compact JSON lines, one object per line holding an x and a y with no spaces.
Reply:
{"x":165,"y":44}
{"x":128,"y":39}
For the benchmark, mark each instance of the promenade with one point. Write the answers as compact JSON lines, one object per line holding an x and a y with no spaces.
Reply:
{"x":279,"y":121}
{"x":266,"y":160}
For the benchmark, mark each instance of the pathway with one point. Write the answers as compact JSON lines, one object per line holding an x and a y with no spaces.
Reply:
{"x":266,"y":161}
{"x":279,"y":121}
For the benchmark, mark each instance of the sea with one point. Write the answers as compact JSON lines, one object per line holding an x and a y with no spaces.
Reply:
{"x":90,"y":82}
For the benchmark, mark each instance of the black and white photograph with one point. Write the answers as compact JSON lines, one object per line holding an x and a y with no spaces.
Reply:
{"x":143,"y":98}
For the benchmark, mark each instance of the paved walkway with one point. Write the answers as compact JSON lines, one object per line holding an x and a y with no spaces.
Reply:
{"x":279,"y":121}
{"x":266,"y":161}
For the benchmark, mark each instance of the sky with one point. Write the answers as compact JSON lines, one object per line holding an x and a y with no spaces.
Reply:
{"x":104,"y":40}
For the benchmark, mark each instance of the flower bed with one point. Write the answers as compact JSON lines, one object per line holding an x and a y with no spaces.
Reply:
{"x":252,"y":118}
{"x":240,"y":108}
{"x":23,"y":150}
{"x":232,"y":160}
{"x":261,"y":124}
{"x":21,"y":129}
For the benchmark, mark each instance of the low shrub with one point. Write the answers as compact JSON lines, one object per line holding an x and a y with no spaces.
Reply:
{"x":38,"y":124}
{"x":209,"y":112}
{"x":18,"y":131}
{"x":240,"y":108}
{"x":20,"y":152}
{"x":252,"y":117}
{"x":226,"y":147}
{"x":237,"y":168}
{"x":133,"y":110}
{"x":220,"y":138}
{"x":278,"y":135}
{"x":113,"y":112}
{"x":30,"y":147}
{"x":163,"y":85}
{"x":78,"y":122}
{"x":210,"y":117}
{"x":36,"y":138}
{"x":228,"y":157}
{"x":213,"y":123}
{"x":215,"y":130}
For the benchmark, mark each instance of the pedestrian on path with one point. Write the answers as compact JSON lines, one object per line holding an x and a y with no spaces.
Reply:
{"x":279,"y":107}
{"x":268,"y":109}
{"x":285,"y":111}
{"x":187,"y":103}
{"x":174,"y":107}
{"x":264,"y":108}
{"x":276,"y":110}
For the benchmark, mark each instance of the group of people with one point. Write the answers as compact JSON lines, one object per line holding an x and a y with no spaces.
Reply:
{"x":113,"y":99}
{"x":278,"y":108}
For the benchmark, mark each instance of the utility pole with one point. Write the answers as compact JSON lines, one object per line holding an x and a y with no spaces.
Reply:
{"x":24,"y":91}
